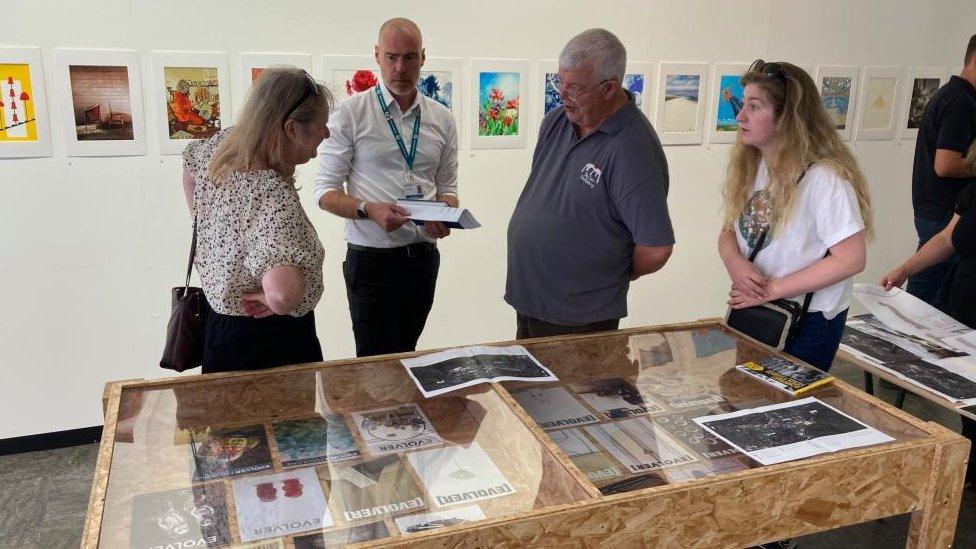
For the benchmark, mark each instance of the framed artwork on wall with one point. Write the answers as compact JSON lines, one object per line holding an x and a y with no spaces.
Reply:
{"x":251,"y":65}
{"x":838,"y":91}
{"x":637,"y":80}
{"x":441,"y":79}
{"x":682,"y":92}
{"x":727,"y":101}
{"x":24,"y":123}
{"x":879,"y":99}
{"x":100,"y":100}
{"x":346,"y":75}
{"x":191,"y":97}
{"x":497,"y":113}
{"x":921,"y":85}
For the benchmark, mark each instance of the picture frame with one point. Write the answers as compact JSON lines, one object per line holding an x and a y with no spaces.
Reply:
{"x":496,"y":120}
{"x":921,"y":83}
{"x":440,"y":67}
{"x":250,"y":65}
{"x":100,"y":100}
{"x":685,"y":86}
{"x":838,"y":87}
{"x":198,"y":110}
{"x":878,"y":103}
{"x":342,"y":74}
{"x":545,"y":96}
{"x":24,"y":123}
{"x":726,"y":102}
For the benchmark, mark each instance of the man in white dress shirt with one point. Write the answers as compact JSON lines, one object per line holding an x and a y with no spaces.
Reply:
{"x":389,"y":143}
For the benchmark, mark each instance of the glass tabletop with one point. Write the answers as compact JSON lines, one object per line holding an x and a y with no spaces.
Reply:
{"x":330,"y":455}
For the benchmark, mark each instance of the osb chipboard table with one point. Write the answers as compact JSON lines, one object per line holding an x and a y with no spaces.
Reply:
{"x":687,"y":369}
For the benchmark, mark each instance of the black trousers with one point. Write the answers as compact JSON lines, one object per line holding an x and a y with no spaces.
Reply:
{"x":527,"y":327}
{"x":390,"y":294}
{"x":233,"y":342}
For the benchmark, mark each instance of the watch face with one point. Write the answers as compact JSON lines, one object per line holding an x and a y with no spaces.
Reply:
{"x":361,"y":212}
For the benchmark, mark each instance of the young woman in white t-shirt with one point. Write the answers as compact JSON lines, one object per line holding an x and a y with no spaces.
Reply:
{"x":790,"y":175}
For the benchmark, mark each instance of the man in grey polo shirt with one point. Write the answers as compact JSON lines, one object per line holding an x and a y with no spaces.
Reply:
{"x":593,"y":214}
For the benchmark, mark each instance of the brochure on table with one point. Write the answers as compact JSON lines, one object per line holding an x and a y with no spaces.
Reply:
{"x":791,"y":430}
{"x":450,"y":370}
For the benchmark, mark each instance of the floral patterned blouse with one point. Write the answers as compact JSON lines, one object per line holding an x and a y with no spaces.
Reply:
{"x":247,"y":225}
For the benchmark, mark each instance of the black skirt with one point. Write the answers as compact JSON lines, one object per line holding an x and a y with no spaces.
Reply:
{"x":233,"y":342}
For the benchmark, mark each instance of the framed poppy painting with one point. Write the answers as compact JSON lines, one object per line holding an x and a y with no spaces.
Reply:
{"x":23,"y":106}
{"x":498,"y":115}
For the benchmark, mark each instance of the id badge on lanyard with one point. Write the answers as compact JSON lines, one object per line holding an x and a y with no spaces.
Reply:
{"x":412,"y":186}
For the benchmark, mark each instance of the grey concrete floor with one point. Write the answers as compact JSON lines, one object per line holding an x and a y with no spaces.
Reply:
{"x":44,"y":495}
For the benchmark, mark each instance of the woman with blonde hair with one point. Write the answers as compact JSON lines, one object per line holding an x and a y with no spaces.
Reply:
{"x":258,"y":256}
{"x":794,"y":195}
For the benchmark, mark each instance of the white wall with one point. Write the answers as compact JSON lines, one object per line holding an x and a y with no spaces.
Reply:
{"x":90,"y":246}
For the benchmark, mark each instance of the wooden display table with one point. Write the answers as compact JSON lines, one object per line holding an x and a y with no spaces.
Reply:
{"x":155,"y":442}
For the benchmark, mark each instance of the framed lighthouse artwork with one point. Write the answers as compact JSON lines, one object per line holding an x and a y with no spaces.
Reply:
{"x":24,"y":128}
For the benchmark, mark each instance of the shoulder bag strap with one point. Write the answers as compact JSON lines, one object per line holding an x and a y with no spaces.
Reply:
{"x":193,"y":252}
{"x":762,"y":239}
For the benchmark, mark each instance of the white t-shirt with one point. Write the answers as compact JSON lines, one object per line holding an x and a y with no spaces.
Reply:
{"x":825,"y":212}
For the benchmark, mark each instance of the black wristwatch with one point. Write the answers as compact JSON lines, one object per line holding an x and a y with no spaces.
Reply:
{"x":361,"y":210}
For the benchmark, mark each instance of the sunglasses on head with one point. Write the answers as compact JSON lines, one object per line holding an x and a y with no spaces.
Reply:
{"x":311,"y":88}
{"x":768,"y":70}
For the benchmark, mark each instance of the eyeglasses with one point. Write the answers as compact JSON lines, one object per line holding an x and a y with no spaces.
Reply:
{"x":575,"y":91}
{"x":311,"y":88}
{"x":768,"y":70}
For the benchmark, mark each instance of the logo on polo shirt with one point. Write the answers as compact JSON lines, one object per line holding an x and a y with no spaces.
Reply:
{"x":590,"y":175}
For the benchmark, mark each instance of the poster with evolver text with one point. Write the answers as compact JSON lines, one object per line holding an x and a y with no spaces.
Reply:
{"x":226,"y":452}
{"x":395,"y":429}
{"x":314,"y":440}
{"x":553,"y":407}
{"x":188,"y":517}
{"x":373,"y":489}
{"x":459,"y":474}
{"x":270,"y":506}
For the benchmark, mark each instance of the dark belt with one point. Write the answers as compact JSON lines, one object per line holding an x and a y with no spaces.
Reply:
{"x":410,"y":250}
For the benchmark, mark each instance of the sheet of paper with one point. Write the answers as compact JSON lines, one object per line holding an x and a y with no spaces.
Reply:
{"x":372,"y":489}
{"x":421,"y":210}
{"x":276,"y":505}
{"x":615,"y":398}
{"x":636,"y":444}
{"x":424,"y":522}
{"x":906,"y":313}
{"x":314,"y":440}
{"x":585,"y":454}
{"x":459,"y":474}
{"x":395,"y":429}
{"x":450,"y":370}
{"x":553,"y":407}
{"x":791,"y":430}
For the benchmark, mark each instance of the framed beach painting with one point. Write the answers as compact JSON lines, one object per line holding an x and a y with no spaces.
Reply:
{"x":24,"y":124}
{"x":922,"y":84}
{"x":838,"y":92}
{"x":100,"y":101}
{"x":192,"y":97}
{"x":497,"y":114}
{"x":878,"y":104}
{"x":727,"y":101}
{"x":681,"y":99}
{"x":252,"y":64}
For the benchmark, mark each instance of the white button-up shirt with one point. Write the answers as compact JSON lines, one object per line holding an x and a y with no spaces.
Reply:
{"x":362,"y":154}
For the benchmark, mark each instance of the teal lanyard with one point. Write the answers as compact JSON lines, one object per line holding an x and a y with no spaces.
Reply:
{"x":407,"y":157}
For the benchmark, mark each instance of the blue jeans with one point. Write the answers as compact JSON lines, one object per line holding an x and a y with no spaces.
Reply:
{"x":932,"y":284}
{"x":816,"y":339}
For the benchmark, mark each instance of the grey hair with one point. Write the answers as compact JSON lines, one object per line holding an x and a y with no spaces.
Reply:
{"x":598,"y":48}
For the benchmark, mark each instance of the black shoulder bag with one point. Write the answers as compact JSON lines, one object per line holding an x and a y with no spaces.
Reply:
{"x":771,"y":323}
{"x":184,"y":334}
